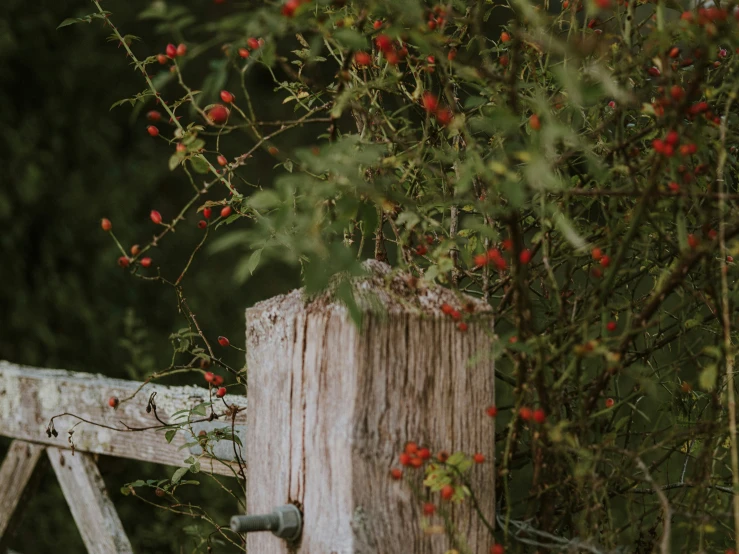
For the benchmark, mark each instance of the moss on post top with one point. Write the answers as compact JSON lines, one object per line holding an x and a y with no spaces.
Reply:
{"x":382,"y":290}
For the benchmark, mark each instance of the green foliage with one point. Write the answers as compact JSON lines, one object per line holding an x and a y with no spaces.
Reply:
{"x":580,"y":177}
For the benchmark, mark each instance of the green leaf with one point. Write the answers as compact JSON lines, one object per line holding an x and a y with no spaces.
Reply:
{"x":247,"y":266}
{"x":199,"y":165}
{"x":707,"y":378}
{"x":169,"y":435}
{"x":178,"y":475}
{"x":351,"y":39}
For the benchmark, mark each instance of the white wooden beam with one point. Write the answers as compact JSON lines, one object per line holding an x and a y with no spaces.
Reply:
{"x":96,"y":518}
{"x":16,"y":472}
{"x":30,"y":397}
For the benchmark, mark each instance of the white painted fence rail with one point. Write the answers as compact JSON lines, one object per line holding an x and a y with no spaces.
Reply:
{"x":30,"y":397}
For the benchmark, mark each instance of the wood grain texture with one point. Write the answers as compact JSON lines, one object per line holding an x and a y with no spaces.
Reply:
{"x":29,"y":397}
{"x":16,"y":474}
{"x":96,"y":518}
{"x":331,"y":407}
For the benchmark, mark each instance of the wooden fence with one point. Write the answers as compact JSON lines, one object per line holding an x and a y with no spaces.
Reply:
{"x":331,"y":405}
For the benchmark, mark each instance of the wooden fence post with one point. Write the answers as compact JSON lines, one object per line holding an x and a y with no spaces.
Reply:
{"x":331,"y":406}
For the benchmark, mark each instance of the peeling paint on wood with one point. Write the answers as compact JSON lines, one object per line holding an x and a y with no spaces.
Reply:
{"x":16,"y":472}
{"x":98,"y":522}
{"x":29,"y":397}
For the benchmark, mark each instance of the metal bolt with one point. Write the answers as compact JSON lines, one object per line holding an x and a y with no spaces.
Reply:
{"x":285,"y":522}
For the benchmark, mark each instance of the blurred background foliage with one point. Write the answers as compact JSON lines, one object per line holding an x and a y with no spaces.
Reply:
{"x":67,"y":160}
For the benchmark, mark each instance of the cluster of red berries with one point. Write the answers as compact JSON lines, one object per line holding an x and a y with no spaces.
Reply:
{"x":602,"y":259}
{"x":392,"y":54}
{"x":253,"y":44}
{"x":456,"y":315}
{"x":436,"y":18}
{"x":492,"y":256}
{"x":216,"y":381}
{"x":667,"y":146}
{"x":171,"y":52}
{"x":431,"y":104}
{"x":527,"y":414}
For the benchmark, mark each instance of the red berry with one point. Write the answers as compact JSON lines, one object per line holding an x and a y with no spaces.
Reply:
{"x":491,"y":411}
{"x":534,"y":122}
{"x":411,"y":448}
{"x":672,"y":138}
{"x":609,"y":402}
{"x":156,"y":217}
{"x":218,"y":115}
{"x":424,"y":453}
{"x":181,"y":49}
{"x":161,"y":58}
{"x":429,"y":508}
{"x":442,"y":456}
{"x":452,"y":54}
{"x":444,"y":116}
{"x":220,"y":393}
{"x":603,"y":4}
{"x":289,"y":8}
{"x":505,"y":37}
{"x":113,"y":402}
{"x":478,"y":458}
{"x":244,"y":53}
{"x":171,"y":50}
{"x":597,"y":253}
{"x":123,"y":261}
{"x":540,"y":416}
{"x":693,"y":242}
{"x":605,"y":261}
{"x":421,"y":250}
{"x":456,"y":315}
{"x":227,"y":97}
{"x":462,"y":326}
{"x":446,"y":309}
{"x":181,"y":147}
{"x":145,"y":262}
{"x":525,"y":256}
{"x":222,"y":160}
{"x":153,"y":115}
{"x":106,"y":224}
{"x":135,"y":250}
{"x":217,"y":380}
{"x":396,"y":473}
{"x":362,"y":59}
{"x":416,"y":461}
{"x":654,"y":71}
{"x":525,"y":413}
{"x":430,"y":102}
{"x":252,"y":43}
{"x":384,"y":43}
{"x":226,"y":211}
{"x":405,"y":459}
{"x":611,"y":326}
{"x":207,"y":213}
{"x":447,"y":491}
{"x":377,"y":25}
{"x":223,"y":341}
{"x":674,"y":187}
{"x":153,"y":131}
{"x":497,"y":549}
{"x":202,"y":224}
{"x":209,"y":376}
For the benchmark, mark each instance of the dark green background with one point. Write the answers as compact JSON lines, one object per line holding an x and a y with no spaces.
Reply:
{"x":67,"y":161}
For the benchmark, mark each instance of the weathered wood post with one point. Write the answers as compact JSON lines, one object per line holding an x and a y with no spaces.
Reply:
{"x":331,"y":406}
